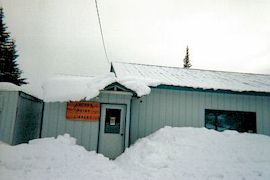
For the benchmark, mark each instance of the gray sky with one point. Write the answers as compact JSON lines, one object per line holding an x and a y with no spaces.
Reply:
{"x":62,"y":36}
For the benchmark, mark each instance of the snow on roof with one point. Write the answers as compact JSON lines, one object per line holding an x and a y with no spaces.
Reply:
{"x":195,"y":78}
{"x":66,"y":88}
{"x":6,"y":86}
{"x":139,"y":78}
{"x":137,"y":84}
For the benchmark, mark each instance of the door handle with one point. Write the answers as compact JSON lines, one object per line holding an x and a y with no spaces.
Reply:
{"x":121,"y":134}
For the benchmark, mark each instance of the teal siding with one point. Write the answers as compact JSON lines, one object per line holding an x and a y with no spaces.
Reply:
{"x":181,"y":108}
{"x":28,"y":119}
{"x":20,"y":117}
{"x":55,"y":123}
{"x":8,"y":109}
{"x":86,"y":132}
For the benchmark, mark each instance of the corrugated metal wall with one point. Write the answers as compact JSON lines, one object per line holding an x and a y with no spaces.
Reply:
{"x":8,"y":108}
{"x":55,"y":123}
{"x":28,"y":119}
{"x":86,"y":132}
{"x":186,"y":108}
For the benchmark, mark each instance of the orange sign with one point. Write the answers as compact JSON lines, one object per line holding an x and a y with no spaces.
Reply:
{"x":82,"y":110}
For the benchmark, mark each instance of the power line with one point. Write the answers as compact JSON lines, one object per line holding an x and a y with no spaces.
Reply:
{"x":101,"y":32}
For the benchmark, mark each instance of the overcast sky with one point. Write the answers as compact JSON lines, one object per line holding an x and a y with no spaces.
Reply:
{"x":63,"y":37}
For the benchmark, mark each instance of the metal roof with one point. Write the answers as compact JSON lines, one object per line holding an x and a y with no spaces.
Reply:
{"x":195,"y":78}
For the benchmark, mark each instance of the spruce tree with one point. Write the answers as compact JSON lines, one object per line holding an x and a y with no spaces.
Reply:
{"x":9,"y":70}
{"x":187,"y":63}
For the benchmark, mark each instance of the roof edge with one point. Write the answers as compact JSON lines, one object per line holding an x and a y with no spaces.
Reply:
{"x":122,"y":86}
{"x":185,"y":88}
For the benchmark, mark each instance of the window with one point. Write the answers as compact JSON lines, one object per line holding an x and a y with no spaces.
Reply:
{"x":221,"y":120}
{"x":112,"y":121}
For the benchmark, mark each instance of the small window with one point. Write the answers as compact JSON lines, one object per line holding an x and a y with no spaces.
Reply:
{"x":221,"y":120}
{"x":112,"y":121}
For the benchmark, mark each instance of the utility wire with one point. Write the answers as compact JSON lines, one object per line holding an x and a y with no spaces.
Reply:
{"x":101,"y":32}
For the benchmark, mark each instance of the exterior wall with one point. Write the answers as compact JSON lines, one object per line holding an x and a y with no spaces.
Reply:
{"x":8,"y":108}
{"x":86,"y":132}
{"x":186,"y":108}
{"x":55,"y":123}
{"x":119,"y":98}
{"x":28,"y":120}
{"x":20,"y":117}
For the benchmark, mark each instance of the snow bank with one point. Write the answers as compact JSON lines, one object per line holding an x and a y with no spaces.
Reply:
{"x":55,"y":159}
{"x":66,"y":88}
{"x":6,"y":86}
{"x":170,"y":153}
{"x":198,"y":153}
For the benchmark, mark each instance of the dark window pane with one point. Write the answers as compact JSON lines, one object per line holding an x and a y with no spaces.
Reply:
{"x":230,"y":120}
{"x":112,"y":121}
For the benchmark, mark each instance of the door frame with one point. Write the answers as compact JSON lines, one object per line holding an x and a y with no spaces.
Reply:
{"x":100,"y":119}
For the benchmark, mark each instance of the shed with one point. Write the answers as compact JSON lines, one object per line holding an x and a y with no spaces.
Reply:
{"x":20,"y":115}
{"x":135,"y":100}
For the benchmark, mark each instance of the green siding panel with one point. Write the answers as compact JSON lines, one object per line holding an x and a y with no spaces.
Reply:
{"x":8,"y":101}
{"x":55,"y":123}
{"x":183,"y":108}
{"x":20,"y":117}
{"x":28,"y":119}
{"x":86,"y":132}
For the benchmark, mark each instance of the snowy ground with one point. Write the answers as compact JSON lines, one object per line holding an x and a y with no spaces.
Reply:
{"x":170,"y":153}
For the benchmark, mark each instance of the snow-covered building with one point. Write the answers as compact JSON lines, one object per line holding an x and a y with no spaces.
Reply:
{"x":109,"y":113}
{"x":20,"y":115}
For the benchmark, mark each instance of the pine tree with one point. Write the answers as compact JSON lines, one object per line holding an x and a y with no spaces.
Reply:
{"x":187,"y":63}
{"x":9,"y":70}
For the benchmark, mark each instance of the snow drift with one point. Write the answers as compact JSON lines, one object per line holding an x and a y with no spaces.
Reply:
{"x":55,"y":159}
{"x":198,"y":153}
{"x":170,"y":153}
